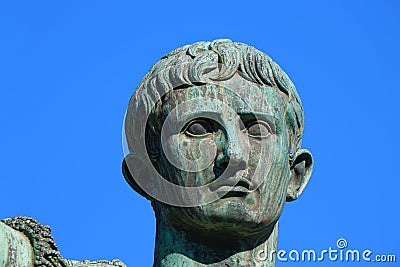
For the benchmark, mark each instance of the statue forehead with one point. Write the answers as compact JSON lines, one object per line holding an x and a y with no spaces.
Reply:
{"x":236,"y":92}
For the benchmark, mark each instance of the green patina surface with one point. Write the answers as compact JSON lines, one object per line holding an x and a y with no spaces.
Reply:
{"x":15,"y":249}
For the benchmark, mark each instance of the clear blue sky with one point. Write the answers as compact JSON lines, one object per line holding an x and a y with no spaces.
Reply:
{"x":67,"y":70}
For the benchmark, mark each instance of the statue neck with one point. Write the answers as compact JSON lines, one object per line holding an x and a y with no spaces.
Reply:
{"x":178,"y":248}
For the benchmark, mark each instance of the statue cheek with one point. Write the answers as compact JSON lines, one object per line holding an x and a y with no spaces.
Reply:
{"x":264,"y":156}
{"x":190,"y":154}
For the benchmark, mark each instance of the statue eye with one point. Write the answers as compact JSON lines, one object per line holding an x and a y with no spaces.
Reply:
{"x":259,"y":129}
{"x":199,"y":128}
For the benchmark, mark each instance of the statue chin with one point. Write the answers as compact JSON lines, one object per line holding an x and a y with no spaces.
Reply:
{"x":220,"y":217}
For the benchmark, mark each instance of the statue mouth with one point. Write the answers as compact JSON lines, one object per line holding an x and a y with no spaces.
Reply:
{"x":241,"y":189}
{"x":231,"y":186}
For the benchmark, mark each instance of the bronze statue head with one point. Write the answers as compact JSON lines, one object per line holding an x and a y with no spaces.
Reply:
{"x":213,"y":139}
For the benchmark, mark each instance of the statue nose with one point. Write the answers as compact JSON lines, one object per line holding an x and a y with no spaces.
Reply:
{"x":234,"y":153}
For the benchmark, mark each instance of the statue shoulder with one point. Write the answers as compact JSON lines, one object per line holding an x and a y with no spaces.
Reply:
{"x":24,"y":242}
{"x":15,"y":248}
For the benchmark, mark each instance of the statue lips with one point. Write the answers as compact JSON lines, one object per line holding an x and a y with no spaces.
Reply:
{"x":231,"y":186}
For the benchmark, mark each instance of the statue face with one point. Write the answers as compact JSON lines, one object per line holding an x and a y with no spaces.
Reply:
{"x":231,"y":134}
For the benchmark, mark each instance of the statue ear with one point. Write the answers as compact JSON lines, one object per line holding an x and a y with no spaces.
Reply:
{"x":301,"y":170}
{"x":134,"y":166}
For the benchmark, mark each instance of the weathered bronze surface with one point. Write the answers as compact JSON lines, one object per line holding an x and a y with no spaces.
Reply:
{"x":213,"y":139}
{"x":24,"y":242}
